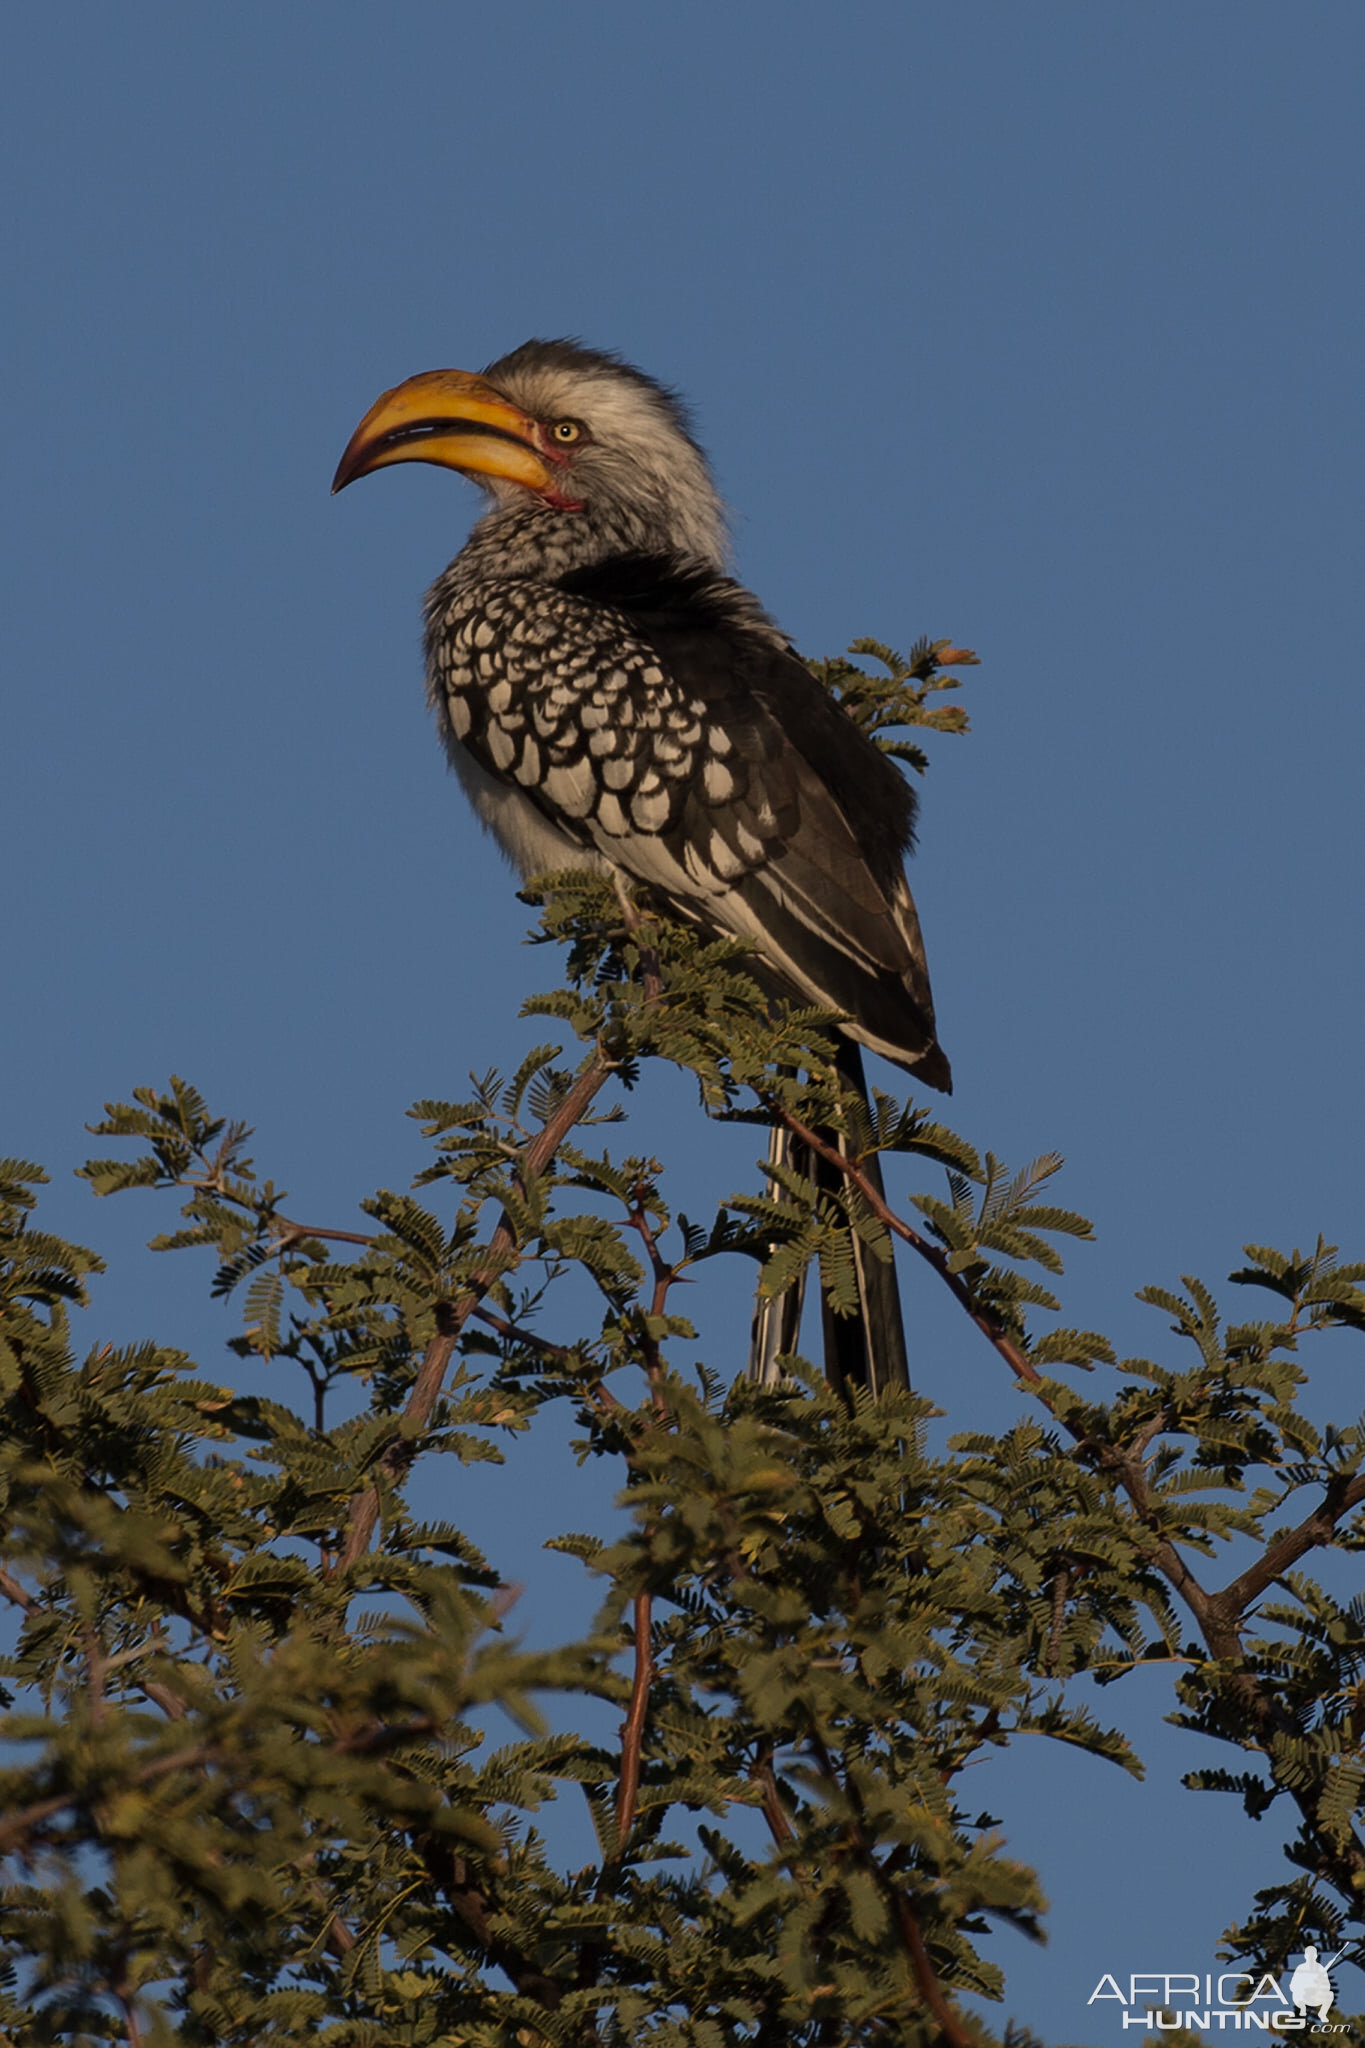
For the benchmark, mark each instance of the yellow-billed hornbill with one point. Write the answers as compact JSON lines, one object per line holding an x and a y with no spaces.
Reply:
{"x":611,"y":699}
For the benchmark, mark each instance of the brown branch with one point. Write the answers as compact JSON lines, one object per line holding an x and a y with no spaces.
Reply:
{"x":1145,"y":1438}
{"x":779,"y":1827}
{"x":664,"y":1276}
{"x":340,"y":1939}
{"x":597,"y":1392}
{"x":931,"y":1991}
{"x":1285,"y":1551}
{"x":1129,"y":1471}
{"x":452,"y":1316}
{"x":1219,"y":1619}
{"x":651,"y":976}
{"x":21,"y":1823}
{"x":15,"y":1593}
{"x":1215,"y":1613}
{"x":633,"y":1728}
{"x":471,"y":1900}
{"x":162,"y":1696}
{"x":96,"y":1670}
{"x":287,"y":1233}
{"x":517,"y":1333}
{"x":663,"y":1273}
{"x":926,"y":1980}
{"x":990,"y":1326}
{"x":1061,"y":1586}
{"x":125,"y":1995}
{"x":1219,"y":1615}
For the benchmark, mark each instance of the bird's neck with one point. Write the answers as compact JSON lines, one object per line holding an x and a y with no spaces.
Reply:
{"x":541,"y":544}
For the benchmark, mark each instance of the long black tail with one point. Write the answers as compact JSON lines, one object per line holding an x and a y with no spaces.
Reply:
{"x":866,"y":1349}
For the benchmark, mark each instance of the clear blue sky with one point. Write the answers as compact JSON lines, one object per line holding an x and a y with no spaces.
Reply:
{"x":1036,"y":326}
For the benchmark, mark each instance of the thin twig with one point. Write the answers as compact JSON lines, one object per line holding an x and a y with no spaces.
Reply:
{"x":340,"y":1939}
{"x":124,"y":1994}
{"x":1218,"y":1615}
{"x":779,"y":1827}
{"x":15,"y":1593}
{"x":931,"y":1991}
{"x":517,"y":1333}
{"x":664,"y":1275}
{"x":96,"y":1670}
{"x":633,"y":1730}
{"x":1316,"y":1529}
{"x":287,"y":1233}
{"x":1061,"y":1586}
{"x":16,"y":1825}
{"x":651,"y":977}
{"x":426,"y":1388}
{"x":162,"y":1696}
{"x":926,"y":1980}
{"x":989,"y":1325}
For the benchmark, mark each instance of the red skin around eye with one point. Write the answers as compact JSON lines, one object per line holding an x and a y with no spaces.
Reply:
{"x":554,"y":451}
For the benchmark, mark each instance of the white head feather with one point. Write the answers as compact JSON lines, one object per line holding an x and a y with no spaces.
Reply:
{"x":643,"y":481}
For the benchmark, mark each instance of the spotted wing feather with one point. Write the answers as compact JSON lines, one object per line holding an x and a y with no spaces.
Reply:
{"x":659,"y":720}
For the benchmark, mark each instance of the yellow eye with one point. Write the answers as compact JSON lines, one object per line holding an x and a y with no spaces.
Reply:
{"x":566,"y":431}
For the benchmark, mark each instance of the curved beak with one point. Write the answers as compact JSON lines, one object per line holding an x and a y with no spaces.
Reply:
{"x":450,"y":418}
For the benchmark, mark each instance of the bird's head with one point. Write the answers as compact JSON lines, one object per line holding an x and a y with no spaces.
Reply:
{"x":562,"y":430}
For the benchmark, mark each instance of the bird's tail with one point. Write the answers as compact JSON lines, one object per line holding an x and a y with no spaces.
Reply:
{"x":867,"y":1348}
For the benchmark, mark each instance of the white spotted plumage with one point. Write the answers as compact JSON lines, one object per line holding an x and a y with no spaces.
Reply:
{"x":583,"y":740}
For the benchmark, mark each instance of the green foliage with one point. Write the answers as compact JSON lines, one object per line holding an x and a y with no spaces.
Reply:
{"x":274,"y":1766}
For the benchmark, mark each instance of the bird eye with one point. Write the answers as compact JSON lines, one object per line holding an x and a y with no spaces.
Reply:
{"x":566,"y":431}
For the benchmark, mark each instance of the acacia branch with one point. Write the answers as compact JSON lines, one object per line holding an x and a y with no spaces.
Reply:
{"x":16,"y":1825}
{"x":474,"y":1904}
{"x":1285,"y":1551}
{"x":990,"y":1326}
{"x":517,"y":1333}
{"x":287,"y":1233}
{"x":633,"y":1730}
{"x":452,"y":1316}
{"x":340,"y":1939}
{"x":1061,"y":1586}
{"x":15,"y":1593}
{"x":930,"y":1990}
{"x":907,"y":1921}
{"x":779,"y":1827}
{"x":1218,"y":1616}
{"x":162,"y":1696}
{"x":597,"y":1391}
{"x":126,"y":1997}
{"x":651,"y":974}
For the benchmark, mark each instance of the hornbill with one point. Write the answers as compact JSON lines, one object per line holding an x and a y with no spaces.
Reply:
{"x":611,"y":699}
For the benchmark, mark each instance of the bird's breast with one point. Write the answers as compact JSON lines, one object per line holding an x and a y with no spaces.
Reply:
{"x":565,"y":701}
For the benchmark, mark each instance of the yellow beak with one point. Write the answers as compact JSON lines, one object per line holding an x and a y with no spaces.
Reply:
{"x":450,"y":418}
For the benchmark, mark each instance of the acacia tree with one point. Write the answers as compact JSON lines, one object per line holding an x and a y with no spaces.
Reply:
{"x":252,"y":1790}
